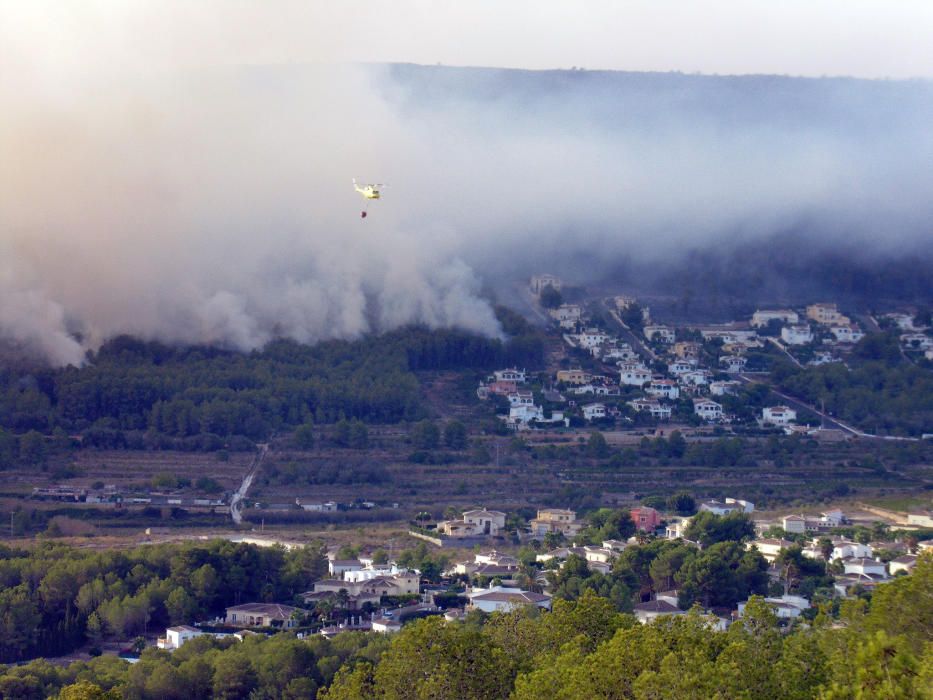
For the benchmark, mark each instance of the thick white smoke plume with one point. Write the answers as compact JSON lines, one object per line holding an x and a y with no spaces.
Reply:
{"x":199,"y":201}
{"x":212,"y":206}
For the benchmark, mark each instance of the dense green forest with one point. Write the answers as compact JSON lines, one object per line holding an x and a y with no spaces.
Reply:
{"x":54,"y":598}
{"x":584,"y":648}
{"x":140,"y":394}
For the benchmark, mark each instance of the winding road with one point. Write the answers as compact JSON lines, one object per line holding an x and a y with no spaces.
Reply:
{"x":629,"y":335}
{"x":828,"y":420}
{"x":237,"y":499}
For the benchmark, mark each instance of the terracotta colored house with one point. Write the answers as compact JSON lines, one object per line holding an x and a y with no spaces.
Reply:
{"x":647,"y":519}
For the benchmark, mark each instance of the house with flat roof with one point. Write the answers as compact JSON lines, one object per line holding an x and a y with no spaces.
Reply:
{"x":176,"y":636}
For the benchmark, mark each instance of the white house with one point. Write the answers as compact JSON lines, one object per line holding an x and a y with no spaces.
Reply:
{"x":796,"y":524}
{"x":589,"y":389}
{"x":600,"y":387}
{"x":525,"y":414}
{"x":707,"y":410}
{"x":845,"y":582}
{"x":505,"y":599}
{"x":539,"y":282}
{"x":696,"y":377}
{"x":822,"y":358}
{"x":176,"y":636}
{"x":847,"y":334}
{"x":496,"y":558}
{"x":567,"y":315}
{"x":486,"y":522}
{"x":770,"y":548}
{"x":731,"y":505}
{"x":920,"y":518}
{"x":510,"y":375}
{"x":663,"y":387}
{"x":904,"y":321}
{"x":680,"y":366}
{"x":786,"y":607}
{"x":371,"y":571}
{"x":762,"y":318}
{"x":718,"y":507}
{"x":778,"y":415}
{"x":653,"y":609}
{"x":386,"y":625}
{"x":521,"y":398}
{"x":602,"y":555}
{"x":722,"y":388}
{"x":676,"y":527}
{"x":662,"y":334}
{"x":621,"y":352}
{"x":634,"y":376}
{"x":337,"y":567}
{"x":729,"y":336}
{"x":560,"y":554}
{"x":843,"y":549}
{"x":594,"y":411}
{"x":655,"y":408}
{"x":905,"y":563}
{"x":917,"y":341}
{"x":746,"y":506}
{"x":865,"y":565}
{"x":520,"y":416}
{"x":797,"y":335}
{"x":733,"y":363}
{"x":591,"y":338}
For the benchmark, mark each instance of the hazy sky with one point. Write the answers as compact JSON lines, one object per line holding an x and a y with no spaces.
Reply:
{"x":865,"y":38}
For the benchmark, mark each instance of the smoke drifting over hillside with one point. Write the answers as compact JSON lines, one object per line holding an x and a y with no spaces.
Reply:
{"x":214,"y":204}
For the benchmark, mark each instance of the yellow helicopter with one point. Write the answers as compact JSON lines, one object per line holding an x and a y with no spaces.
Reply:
{"x":369,"y":191}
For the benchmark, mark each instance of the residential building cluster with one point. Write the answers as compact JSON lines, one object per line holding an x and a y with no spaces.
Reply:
{"x":661,"y":372}
{"x":365,"y":591}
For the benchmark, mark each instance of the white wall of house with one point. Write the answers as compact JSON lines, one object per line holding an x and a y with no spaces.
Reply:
{"x":797,"y":335}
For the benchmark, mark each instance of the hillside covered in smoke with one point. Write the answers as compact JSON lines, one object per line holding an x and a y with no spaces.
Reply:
{"x":215,"y":206}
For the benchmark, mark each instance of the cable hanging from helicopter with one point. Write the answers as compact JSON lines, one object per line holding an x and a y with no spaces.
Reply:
{"x":368,"y":192}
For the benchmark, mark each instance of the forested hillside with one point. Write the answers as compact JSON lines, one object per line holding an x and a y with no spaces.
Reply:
{"x":881,"y":392}
{"x":54,"y":598}
{"x":140,"y":394}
